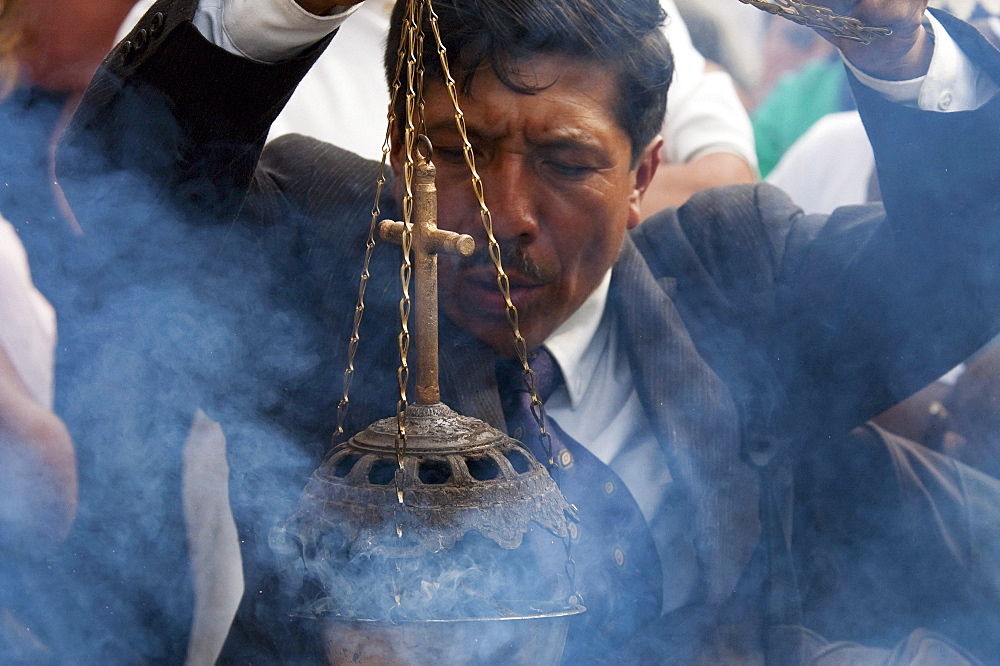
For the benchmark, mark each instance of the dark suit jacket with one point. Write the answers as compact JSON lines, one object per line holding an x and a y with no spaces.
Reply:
{"x":756,"y":333}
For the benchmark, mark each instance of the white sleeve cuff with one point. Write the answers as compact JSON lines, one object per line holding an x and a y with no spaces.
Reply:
{"x":267,"y":31}
{"x":952,"y":82}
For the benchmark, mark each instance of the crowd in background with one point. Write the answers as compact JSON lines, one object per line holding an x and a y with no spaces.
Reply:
{"x":756,"y":98}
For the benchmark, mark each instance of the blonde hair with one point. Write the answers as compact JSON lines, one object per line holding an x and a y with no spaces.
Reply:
{"x":10,"y":35}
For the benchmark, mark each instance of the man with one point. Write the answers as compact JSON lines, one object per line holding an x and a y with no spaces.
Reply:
{"x":702,"y":351}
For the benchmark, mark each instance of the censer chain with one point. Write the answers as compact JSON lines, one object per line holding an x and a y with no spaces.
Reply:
{"x":411,"y":54}
{"x":359,"y":309}
{"x":414,"y":82}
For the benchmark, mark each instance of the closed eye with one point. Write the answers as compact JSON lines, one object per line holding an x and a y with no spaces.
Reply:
{"x":450,"y":154}
{"x":569,"y":170}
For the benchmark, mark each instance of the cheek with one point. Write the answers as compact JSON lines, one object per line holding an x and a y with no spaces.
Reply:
{"x":458,"y":208}
{"x":589,"y":230}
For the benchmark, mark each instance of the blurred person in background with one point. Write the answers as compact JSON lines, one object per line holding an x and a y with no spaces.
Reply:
{"x":37,"y":462}
{"x":965,"y":423}
{"x":730,"y":34}
{"x":38,"y":477}
{"x":152,"y":482}
{"x":804,"y":80}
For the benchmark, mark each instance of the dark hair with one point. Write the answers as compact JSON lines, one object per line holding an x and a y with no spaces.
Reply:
{"x":623,"y":34}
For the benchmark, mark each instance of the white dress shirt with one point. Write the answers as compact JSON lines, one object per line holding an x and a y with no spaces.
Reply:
{"x":598,"y":404}
{"x":27,"y":320}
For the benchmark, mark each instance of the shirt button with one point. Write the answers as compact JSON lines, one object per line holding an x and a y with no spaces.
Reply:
{"x":574,"y":531}
{"x":609,"y":487}
{"x":619,"y":556}
{"x":944,"y":102}
{"x":565,"y":459}
{"x":518,"y":432}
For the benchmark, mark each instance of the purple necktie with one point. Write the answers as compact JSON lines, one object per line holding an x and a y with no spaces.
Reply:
{"x":616,"y":563}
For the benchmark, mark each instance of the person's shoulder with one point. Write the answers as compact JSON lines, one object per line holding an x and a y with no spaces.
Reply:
{"x":305,"y":166}
{"x":717,"y":212}
{"x":734,"y":233}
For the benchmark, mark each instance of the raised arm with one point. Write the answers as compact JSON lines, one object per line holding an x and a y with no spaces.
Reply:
{"x":178,"y":113}
{"x":849,"y":314}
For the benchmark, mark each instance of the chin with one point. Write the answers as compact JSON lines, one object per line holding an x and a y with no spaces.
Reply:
{"x":495,"y":331}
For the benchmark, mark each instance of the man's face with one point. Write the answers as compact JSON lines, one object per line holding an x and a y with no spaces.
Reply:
{"x":557,"y":177}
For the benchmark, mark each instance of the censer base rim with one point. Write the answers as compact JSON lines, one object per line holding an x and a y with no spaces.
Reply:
{"x":565,"y":612}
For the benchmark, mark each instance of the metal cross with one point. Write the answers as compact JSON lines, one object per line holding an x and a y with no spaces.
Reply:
{"x":428,"y":241}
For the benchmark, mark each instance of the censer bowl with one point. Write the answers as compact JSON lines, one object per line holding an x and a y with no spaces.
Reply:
{"x":454,"y":552}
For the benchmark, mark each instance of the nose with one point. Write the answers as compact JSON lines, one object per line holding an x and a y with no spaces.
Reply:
{"x":510,"y":195}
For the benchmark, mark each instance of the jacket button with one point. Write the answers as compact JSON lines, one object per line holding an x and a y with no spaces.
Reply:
{"x":619,"y":555}
{"x":126,"y":50}
{"x":156,"y":24}
{"x":141,"y":38}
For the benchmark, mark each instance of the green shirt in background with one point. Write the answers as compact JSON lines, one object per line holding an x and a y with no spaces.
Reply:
{"x":797,"y":101}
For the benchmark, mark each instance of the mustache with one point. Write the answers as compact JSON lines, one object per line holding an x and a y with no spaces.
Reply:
{"x":514,"y":259}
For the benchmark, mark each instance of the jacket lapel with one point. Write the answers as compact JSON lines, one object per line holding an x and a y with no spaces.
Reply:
{"x":695,"y":421}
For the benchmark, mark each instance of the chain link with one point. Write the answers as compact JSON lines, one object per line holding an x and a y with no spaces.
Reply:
{"x":359,"y":309}
{"x":820,"y":18}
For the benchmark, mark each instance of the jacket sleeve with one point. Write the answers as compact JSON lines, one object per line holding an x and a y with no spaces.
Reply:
{"x":174,"y":118}
{"x":834,"y":319}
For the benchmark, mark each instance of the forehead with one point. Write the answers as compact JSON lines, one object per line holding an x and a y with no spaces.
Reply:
{"x":559,"y":96}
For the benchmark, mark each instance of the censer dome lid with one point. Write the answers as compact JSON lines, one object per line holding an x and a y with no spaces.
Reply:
{"x":458,"y":474}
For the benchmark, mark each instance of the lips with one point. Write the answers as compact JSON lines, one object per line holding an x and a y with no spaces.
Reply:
{"x":481,"y":290}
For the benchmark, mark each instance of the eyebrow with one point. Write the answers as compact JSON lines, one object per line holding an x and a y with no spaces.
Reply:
{"x":570,"y":140}
{"x":558,"y":139}
{"x":449,"y":126}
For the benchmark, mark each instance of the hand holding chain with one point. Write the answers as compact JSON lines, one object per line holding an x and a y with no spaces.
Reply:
{"x":820,"y":18}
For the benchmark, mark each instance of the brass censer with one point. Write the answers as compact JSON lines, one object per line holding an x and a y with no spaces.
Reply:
{"x":431,"y":536}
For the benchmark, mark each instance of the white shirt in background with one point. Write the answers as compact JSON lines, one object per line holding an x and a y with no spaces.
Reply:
{"x":27,"y":320}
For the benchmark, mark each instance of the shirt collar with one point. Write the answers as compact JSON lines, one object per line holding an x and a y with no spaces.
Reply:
{"x":570,"y":343}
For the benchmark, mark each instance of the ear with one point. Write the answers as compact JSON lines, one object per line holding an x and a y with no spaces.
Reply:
{"x":642,"y":176}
